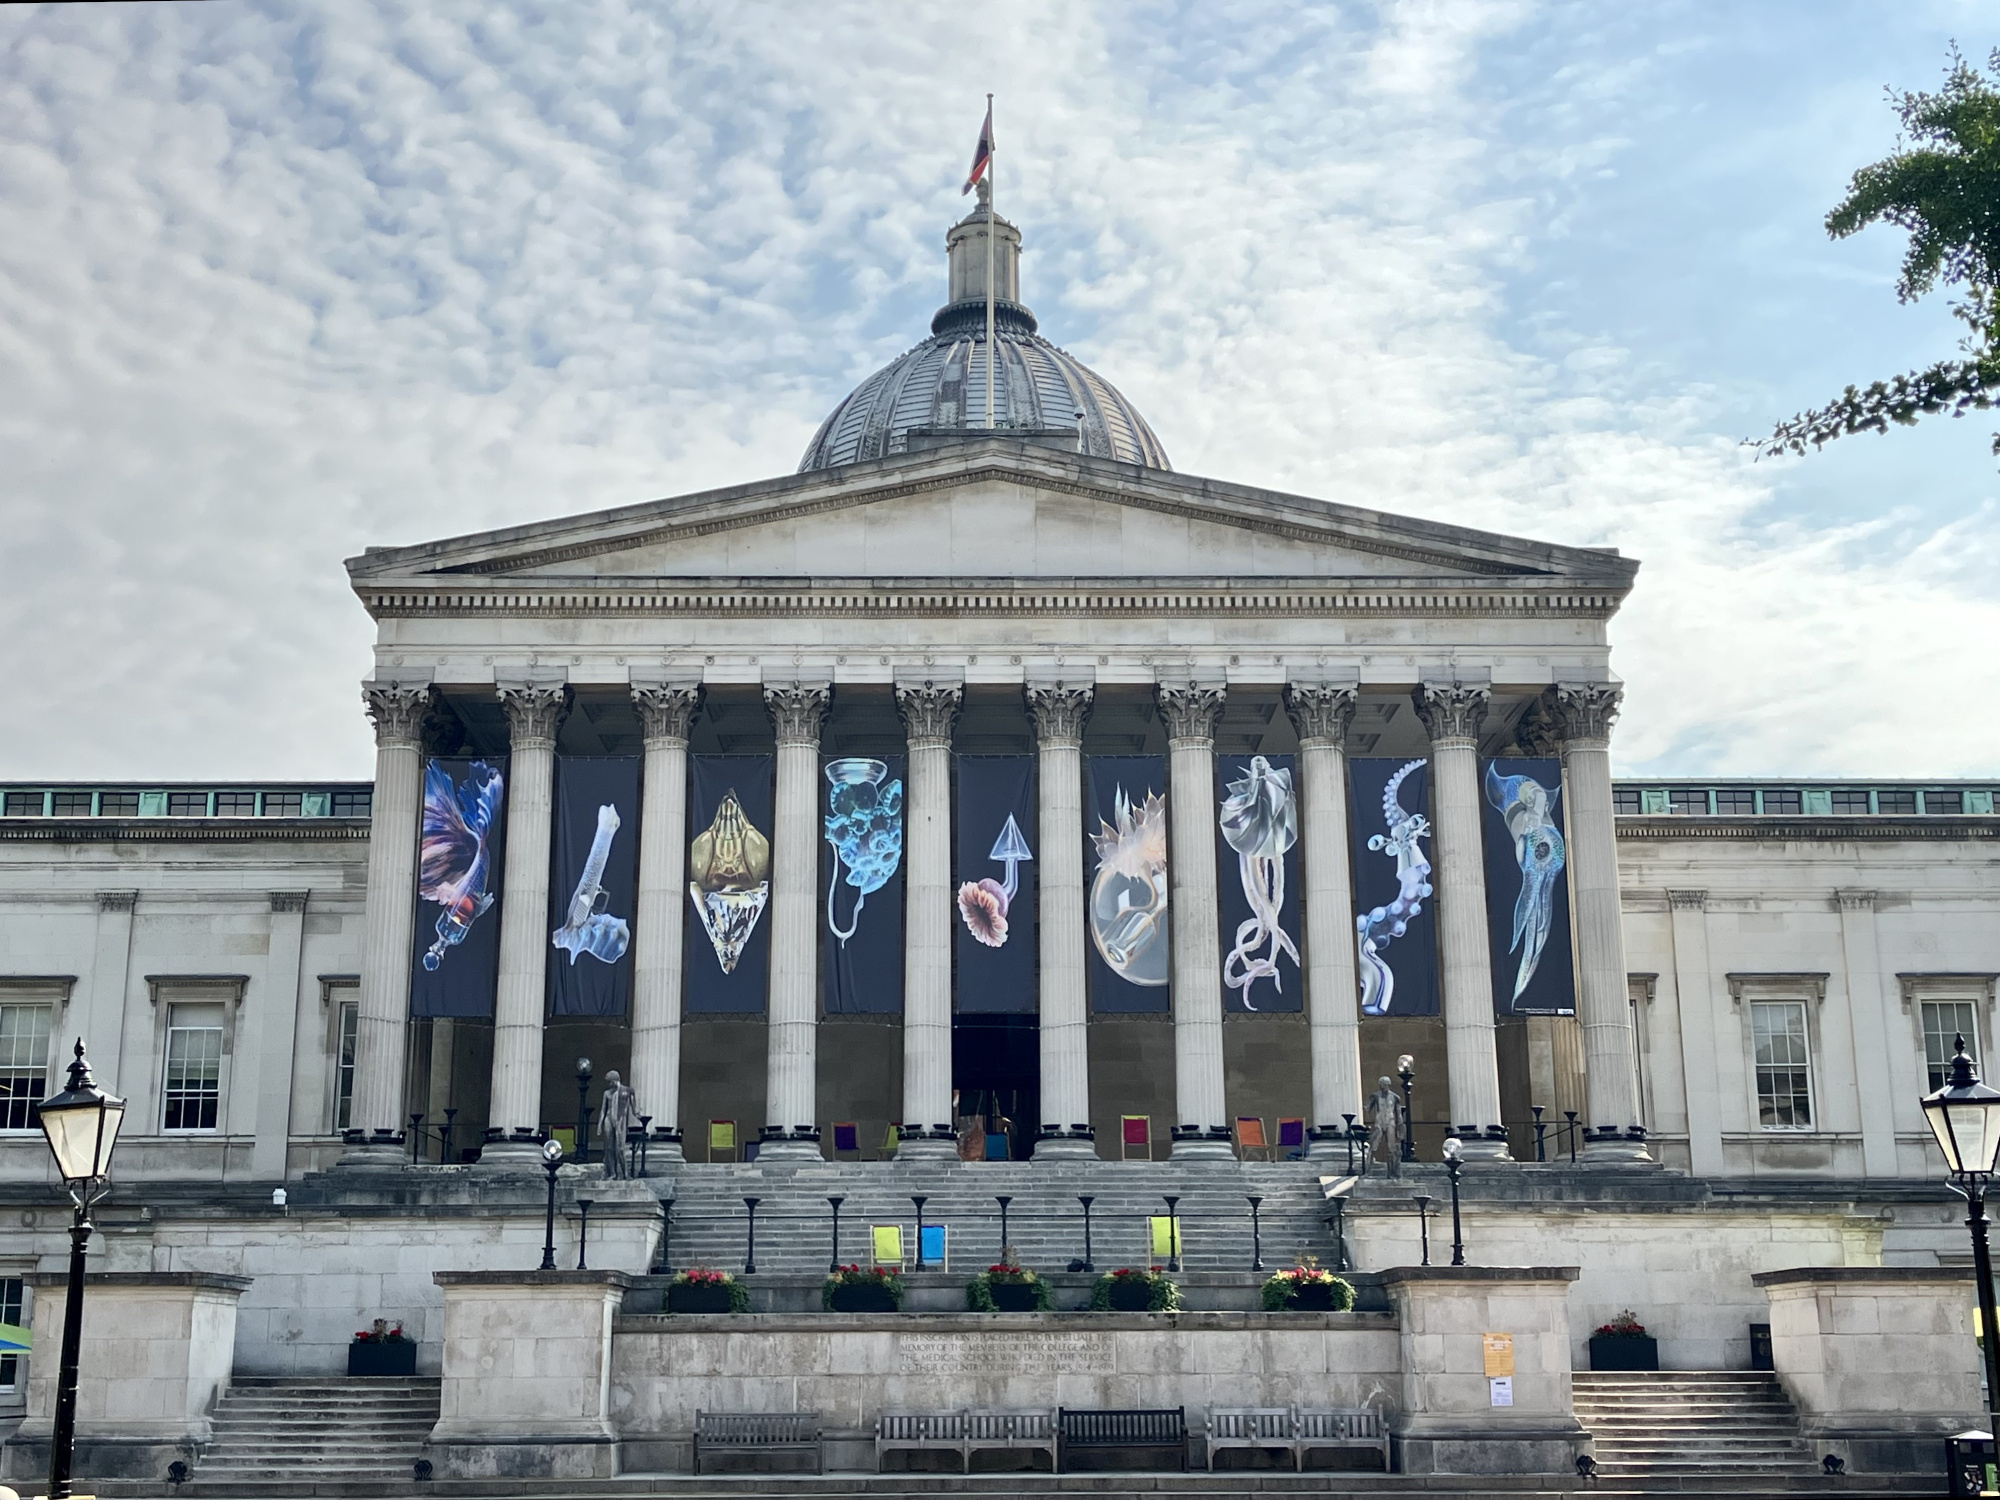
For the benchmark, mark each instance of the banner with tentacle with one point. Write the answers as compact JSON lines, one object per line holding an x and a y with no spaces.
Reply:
{"x":861,"y":871}
{"x":1125,"y":866}
{"x":1257,"y":875}
{"x":994,"y":892}
{"x":461,"y":852}
{"x":1395,"y":926}
{"x":1527,"y":888}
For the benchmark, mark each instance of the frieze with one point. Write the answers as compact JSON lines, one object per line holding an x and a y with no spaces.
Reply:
{"x":1005,"y":1354}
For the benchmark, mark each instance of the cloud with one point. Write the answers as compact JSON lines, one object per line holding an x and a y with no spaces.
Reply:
{"x":285,"y":281}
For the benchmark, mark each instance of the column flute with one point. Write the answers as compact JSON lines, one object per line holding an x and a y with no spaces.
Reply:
{"x":1059,"y":712}
{"x":665,"y":714}
{"x":929,"y":710}
{"x":791,"y":1130}
{"x":1194,"y":921}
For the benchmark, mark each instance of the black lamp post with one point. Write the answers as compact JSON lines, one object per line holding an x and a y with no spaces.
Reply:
{"x":1570,"y":1115}
{"x":1173,"y":1234}
{"x":583,"y":1232}
{"x":750,"y":1246}
{"x":1964,"y":1115}
{"x":1350,"y":1143}
{"x":1541,"y":1139}
{"x":1424,"y":1224}
{"x":81,"y":1124}
{"x":582,"y":1110}
{"x":552,"y":1160}
{"x":918,"y":1199}
{"x":834,"y":1201}
{"x":1256,"y":1234}
{"x":1406,"y":1069}
{"x":444,"y":1135}
{"x":1086,"y":1200}
{"x":645,"y":1131}
{"x":416,"y":1139}
{"x":1003,"y":1200}
{"x":666,"y":1265}
{"x":1453,"y":1165}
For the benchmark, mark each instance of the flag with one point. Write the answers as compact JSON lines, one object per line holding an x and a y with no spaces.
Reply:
{"x":982,"y":154}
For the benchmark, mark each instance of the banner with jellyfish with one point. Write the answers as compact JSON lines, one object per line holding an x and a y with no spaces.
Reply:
{"x":1395,"y":926}
{"x":861,"y":873}
{"x":1125,"y":891}
{"x":728,"y":944}
{"x":593,"y":885}
{"x":1257,"y":877}
{"x":994,"y":892}
{"x":461,"y":852}
{"x":1527,"y":888}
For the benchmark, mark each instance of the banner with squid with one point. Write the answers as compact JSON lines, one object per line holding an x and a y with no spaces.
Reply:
{"x":1527,"y":888}
{"x":1257,"y":875}
{"x":1395,"y":926}
{"x":461,"y":851}
{"x":994,"y":890}
{"x":728,"y":947}
{"x":1125,"y":874}
{"x":861,"y":872}
{"x":593,"y":885}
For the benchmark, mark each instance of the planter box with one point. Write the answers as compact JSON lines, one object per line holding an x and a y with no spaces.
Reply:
{"x":698,"y":1299}
{"x":1621,"y":1352}
{"x":863,"y":1299}
{"x":372,"y":1359}
{"x":1310,"y":1299}
{"x":1131,"y":1296}
{"x":1012,"y":1296}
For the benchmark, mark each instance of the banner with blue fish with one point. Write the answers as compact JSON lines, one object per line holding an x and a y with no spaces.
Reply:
{"x":995,"y":885}
{"x":1527,"y":888}
{"x":862,"y":873}
{"x":593,"y":885}
{"x":1395,"y":925}
{"x":461,"y":853}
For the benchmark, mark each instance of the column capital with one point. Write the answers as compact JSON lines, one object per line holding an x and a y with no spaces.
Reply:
{"x":1540,"y":729}
{"x":533,"y":712}
{"x":289,"y":901}
{"x":117,"y":900}
{"x":1059,"y":711}
{"x":1688,"y":900}
{"x":1854,"y":900}
{"x":666,"y":712}
{"x":1452,"y":710}
{"x":397,"y":712}
{"x":929,"y":710}
{"x":797,"y":711}
{"x":1587,"y":711}
{"x":1321,"y":712}
{"x":1191,"y":712}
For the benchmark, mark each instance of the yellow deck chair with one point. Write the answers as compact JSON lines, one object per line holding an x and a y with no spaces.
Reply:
{"x":1164,"y":1239}
{"x":565,"y":1137}
{"x":885,"y":1244}
{"x":721,"y":1137}
{"x":890,"y":1141}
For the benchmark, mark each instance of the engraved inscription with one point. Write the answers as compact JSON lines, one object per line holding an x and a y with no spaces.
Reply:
{"x":1005,"y":1354}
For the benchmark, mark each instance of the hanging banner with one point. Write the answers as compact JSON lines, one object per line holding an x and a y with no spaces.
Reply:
{"x":728,"y":944}
{"x":461,"y":850}
{"x":1257,"y":878}
{"x":997,"y":828}
{"x":1527,"y":888}
{"x":1125,"y":858}
{"x":861,"y":871}
{"x":1395,"y":928}
{"x":593,"y":885}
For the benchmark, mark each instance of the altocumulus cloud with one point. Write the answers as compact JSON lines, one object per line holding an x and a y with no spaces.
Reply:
{"x":281,"y":282}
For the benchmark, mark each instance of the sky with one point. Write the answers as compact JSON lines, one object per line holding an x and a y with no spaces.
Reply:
{"x":282,"y":281}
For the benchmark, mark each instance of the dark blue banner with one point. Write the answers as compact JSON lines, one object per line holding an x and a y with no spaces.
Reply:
{"x":1527,"y":888}
{"x":1257,"y":877}
{"x":593,"y":885}
{"x":1125,"y":902}
{"x":995,"y":903}
{"x":861,"y":871}
{"x":729,"y":884}
{"x":461,"y":853}
{"x":1395,"y":926}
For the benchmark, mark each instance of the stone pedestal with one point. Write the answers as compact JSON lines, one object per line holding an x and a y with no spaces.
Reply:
{"x":157,"y":1351}
{"x":1450,"y":1424}
{"x":527,"y":1367}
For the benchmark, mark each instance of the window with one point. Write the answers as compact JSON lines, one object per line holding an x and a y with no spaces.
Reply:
{"x":1945,"y":1021}
{"x":1740,"y":801}
{"x":70,"y":804}
{"x":187,"y":804}
{"x":1685,"y":801}
{"x":349,"y":1026}
{"x":283,"y":804}
{"x":118,"y":805}
{"x":353,"y":804}
{"x":24,"y":805}
{"x":1944,"y":802}
{"x":1781,"y":801}
{"x":13,"y":1302}
{"x":1784,"y":1070}
{"x":1896,"y":802}
{"x":1625,"y":799}
{"x":236,"y":804}
{"x":192,"y":1094}
{"x":1850,"y":802}
{"x":24,"y":1065}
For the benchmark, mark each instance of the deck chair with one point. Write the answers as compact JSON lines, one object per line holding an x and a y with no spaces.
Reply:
{"x":933,"y":1247}
{"x":891,"y":1139}
{"x":996,"y":1145}
{"x":846,"y":1137}
{"x":1164,"y":1239}
{"x":885,"y":1245}
{"x":1250,"y":1136}
{"x":721,"y":1137}
{"x":1137,"y":1130}
{"x":565,"y":1137}
{"x":1292,"y":1137}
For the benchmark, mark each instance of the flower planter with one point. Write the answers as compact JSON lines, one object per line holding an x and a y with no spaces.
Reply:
{"x":1624,"y":1352}
{"x":1131,"y":1296}
{"x":1012,"y":1296}
{"x":863,"y":1298}
{"x":1310,"y":1298}
{"x":373,"y":1359}
{"x":698,"y":1299}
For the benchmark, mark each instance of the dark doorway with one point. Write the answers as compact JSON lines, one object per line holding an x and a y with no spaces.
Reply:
{"x":996,"y":1071}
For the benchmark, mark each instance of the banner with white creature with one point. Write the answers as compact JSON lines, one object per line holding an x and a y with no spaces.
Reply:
{"x":1394,"y":917}
{"x":593,"y":885}
{"x":1527,"y":888}
{"x":1257,"y":874}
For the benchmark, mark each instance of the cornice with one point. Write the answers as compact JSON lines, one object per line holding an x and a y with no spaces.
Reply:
{"x":183,"y":830}
{"x":1818,"y":829}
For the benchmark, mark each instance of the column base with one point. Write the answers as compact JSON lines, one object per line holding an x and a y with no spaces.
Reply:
{"x":1078,"y":1143}
{"x":1489,"y":1145}
{"x":1611,"y":1147}
{"x":786,"y":1149}
{"x":1203,"y":1147}
{"x":926,"y":1147}
{"x":513,"y":1156}
{"x":381,"y":1151}
{"x":665,"y":1145}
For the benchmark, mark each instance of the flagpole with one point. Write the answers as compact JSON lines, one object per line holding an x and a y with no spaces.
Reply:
{"x":992,"y":230}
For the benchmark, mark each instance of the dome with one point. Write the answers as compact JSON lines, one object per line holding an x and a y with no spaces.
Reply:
{"x":936,"y":393}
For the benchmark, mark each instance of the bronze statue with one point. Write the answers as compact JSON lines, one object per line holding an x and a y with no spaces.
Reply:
{"x":616,"y":1115}
{"x":1389,"y":1127}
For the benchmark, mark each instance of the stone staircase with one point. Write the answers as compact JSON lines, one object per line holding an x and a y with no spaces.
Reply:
{"x":1715,"y":1424}
{"x":332,"y":1431}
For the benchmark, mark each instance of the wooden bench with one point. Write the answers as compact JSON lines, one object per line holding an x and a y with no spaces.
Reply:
{"x":1083,"y":1430}
{"x":1359,"y":1429}
{"x":919,"y":1432}
{"x":1011,"y":1432}
{"x":1258,"y":1427}
{"x":965,"y":1433}
{"x":756,"y":1432}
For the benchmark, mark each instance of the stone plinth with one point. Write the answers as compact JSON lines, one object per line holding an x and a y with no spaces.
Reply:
{"x":1880,"y":1360}
{"x":527,"y":1357}
{"x":156,"y":1354}
{"x":1450,"y":1424}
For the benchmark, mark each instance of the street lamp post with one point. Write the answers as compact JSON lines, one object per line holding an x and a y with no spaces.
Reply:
{"x":834,"y":1200}
{"x":1406,"y":1069}
{"x":1173,"y":1233}
{"x":582,"y":1110}
{"x":1964,"y":1115}
{"x":1453,"y":1165}
{"x":1424,"y":1225}
{"x":1256,"y":1233}
{"x":1087,"y":1264}
{"x":552,"y":1157}
{"x":81,"y":1124}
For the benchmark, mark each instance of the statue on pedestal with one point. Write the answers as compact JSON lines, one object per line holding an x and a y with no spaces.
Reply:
{"x":1388,"y":1128}
{"x":617,"y":1114}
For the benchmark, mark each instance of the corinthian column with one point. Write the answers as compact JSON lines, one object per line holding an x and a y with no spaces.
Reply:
{"x":382,"y":1029}
{"x":929,"y":710}
{"x":1193,"y":918}
{"x":1066,"y":1131}
{"x":514,"y":1118}
{"x":791,"y":1130}
{"x":1453,"y":714}
{"x":1611,"y":1084}
{"x":664,"y":716}
{"x":1321,"y":715}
